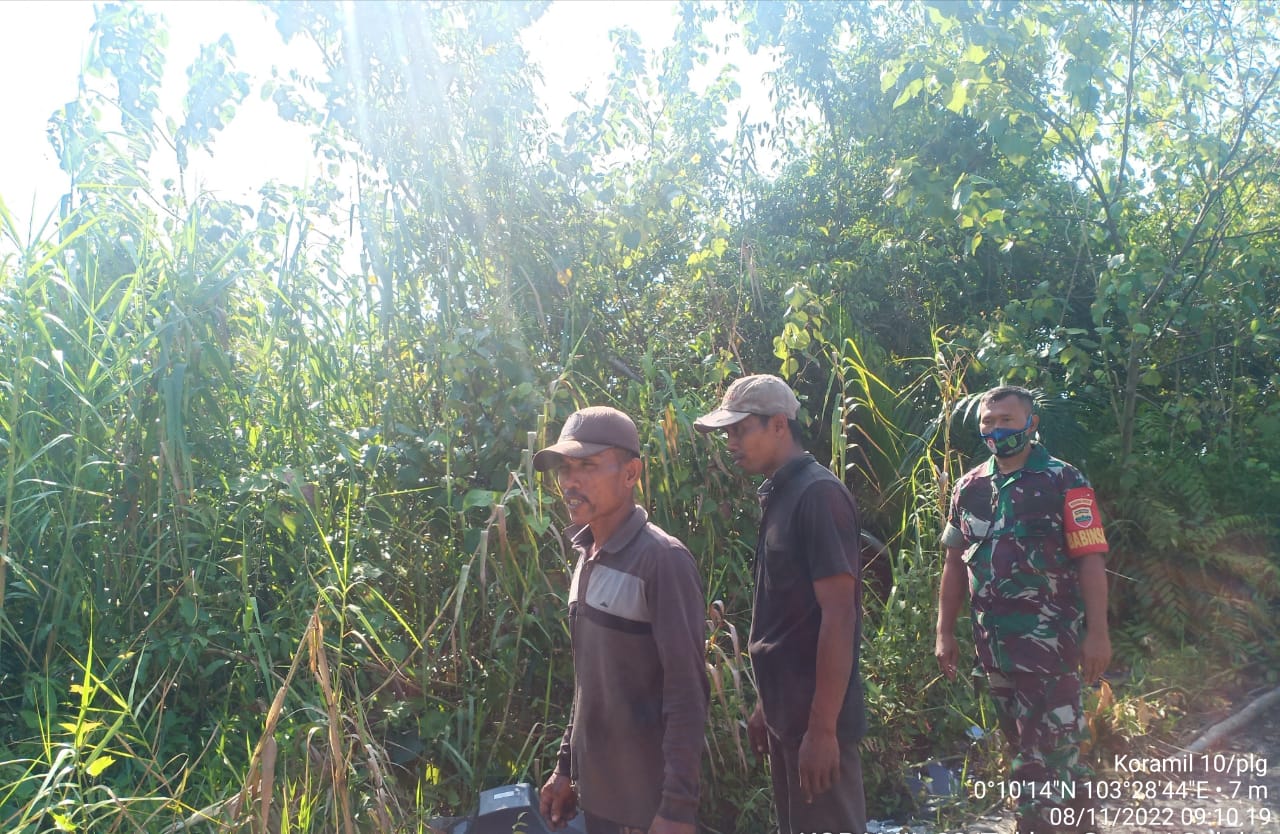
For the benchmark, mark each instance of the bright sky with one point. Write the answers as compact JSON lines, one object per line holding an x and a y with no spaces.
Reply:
{"x":43,"y":44}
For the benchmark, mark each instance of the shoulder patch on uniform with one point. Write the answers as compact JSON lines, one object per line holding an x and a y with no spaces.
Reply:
{"x":1081,"y":511}
{"x":1082,"y":523}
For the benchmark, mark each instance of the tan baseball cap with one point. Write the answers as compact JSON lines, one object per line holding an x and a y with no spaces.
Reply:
{"x":588,"y":432}
{"x":762,"y":394}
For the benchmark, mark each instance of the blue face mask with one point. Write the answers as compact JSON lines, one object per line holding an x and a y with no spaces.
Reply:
{"x":1006,"y":442}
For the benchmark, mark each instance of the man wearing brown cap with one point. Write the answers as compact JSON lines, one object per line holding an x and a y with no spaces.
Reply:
{"x":807,"y":619}
{"x":632,"y":747}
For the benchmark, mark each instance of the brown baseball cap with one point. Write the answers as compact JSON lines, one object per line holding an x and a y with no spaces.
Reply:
{"x":590,"y":431}
{"x":762,"y":394}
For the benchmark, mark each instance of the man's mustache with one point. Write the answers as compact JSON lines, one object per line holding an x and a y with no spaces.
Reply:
{"x":573,"y":496}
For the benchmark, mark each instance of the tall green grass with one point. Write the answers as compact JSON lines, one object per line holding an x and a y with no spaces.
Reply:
{"x":237,"y":600}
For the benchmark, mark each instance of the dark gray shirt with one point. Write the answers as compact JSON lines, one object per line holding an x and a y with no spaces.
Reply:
{"x":637,"y":617}
{"x":809,"y":531}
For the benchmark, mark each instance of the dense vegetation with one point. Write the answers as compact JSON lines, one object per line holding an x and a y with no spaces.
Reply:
{"x":272,"y":553}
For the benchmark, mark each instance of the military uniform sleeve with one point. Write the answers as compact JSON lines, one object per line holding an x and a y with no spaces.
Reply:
{"x":951,"y":534}
{"x":678,"y":610}
{"x":1083,"y":532}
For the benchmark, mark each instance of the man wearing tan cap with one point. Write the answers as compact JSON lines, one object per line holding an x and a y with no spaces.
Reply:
{"x":807,"y":619}
{"x":632,"y":748}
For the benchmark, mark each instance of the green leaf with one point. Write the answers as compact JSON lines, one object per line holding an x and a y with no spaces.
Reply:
{"x":889,"y":75}
{"x":479,"y":498}
{"x":100,"y":764}
{"x":1014,"y":146}
{"x":908,"y":92}
{"x":974,"y":54}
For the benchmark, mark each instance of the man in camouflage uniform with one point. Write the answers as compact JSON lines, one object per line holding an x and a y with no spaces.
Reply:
{"x":1025,"y":528}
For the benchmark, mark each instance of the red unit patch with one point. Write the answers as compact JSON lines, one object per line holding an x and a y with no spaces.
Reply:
{"x":1082,"y":523}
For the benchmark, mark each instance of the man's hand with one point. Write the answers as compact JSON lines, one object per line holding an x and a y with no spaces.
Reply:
{"x":758,"y":733}
{"x":1095,"y":654}
{"x":558,"y":801}
{"x":947,"y":650}
{"x":662,"y":825}
{"x":819,"y":762}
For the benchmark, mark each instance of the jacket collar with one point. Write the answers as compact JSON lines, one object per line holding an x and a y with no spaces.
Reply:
{"x":581,"y":537}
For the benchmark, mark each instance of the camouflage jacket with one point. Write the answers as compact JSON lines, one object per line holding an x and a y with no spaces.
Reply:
{"x":1023,"y":586}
